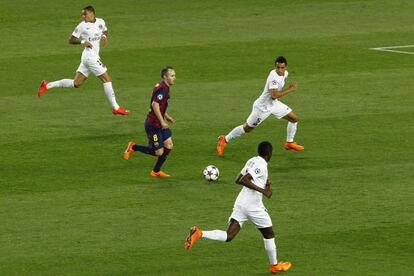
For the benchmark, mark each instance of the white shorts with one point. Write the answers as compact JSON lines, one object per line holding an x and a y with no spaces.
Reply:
{"x":259,"y":216}
{"x":259,"y":114}
{"x":91,"y":65}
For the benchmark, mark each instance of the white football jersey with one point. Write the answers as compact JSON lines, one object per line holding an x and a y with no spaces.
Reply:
{"x":92,"y":32}
{"x":274,"y":81}
{"x":248,"y":198}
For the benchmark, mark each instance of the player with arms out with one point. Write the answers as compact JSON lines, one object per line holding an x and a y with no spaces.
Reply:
{"x":268,"y":103}
{"x":156,"y":124}
{"x":249,"y":206}
{"x":89,"y":33}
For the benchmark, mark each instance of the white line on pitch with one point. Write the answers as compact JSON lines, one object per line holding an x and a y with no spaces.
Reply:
{"x":388,"y":49}
{"x":393,"y":47}
{"x":394,"y":51}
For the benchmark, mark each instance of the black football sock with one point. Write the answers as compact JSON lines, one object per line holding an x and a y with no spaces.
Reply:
{"x":143,"y":149}
{"x":161,"y":159}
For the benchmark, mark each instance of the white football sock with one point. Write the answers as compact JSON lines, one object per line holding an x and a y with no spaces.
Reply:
{"x":216,"y":235}
{"x":110,"y":94}
{"x":236,"y":132}
{"x":291,"y":131}
{"x":60,"y":83}
{"x":270,"y":247}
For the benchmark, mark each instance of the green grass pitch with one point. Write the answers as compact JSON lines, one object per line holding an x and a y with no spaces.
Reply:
{"x":70,"y":205}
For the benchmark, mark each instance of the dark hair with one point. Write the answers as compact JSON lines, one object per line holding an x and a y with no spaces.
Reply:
{"x":89,"y":8}
{"x":264,"y":149}
{"x":281,"y":59}
{"x":164,"y":70}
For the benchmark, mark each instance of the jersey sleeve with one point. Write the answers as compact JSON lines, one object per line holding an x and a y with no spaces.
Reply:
{"x":104,"y":28}
{"x":78,"y":31}
{"x":255,"y":169}
{"x":273,"y":83}
{"x":159,"y":95}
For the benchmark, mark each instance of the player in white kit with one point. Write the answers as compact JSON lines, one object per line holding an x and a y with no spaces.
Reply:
{"x":268,"y":103}
{"x":249,"y":206}
{"x":89,"y":33}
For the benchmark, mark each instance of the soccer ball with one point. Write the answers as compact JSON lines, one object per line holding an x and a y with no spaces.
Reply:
{"x":211,"y":173}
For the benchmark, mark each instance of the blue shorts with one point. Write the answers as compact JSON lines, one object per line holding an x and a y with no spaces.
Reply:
{"x":157,"y":136}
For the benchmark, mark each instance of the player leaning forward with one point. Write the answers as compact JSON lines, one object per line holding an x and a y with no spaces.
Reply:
{"x":268,"y":103}
{"x":89,"y":33}
{"x":249,"y":206}
{"x":156,"y":125}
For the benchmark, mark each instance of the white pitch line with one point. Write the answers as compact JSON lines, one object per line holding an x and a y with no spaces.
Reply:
{"x":388,"y":49}
{"x":394,"y":47}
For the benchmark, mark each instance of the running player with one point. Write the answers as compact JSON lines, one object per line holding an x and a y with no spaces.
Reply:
{"x":249,"y":206}
{"x":268,"y":103}
{"x":89,"y":33}
{"x":156,"y":125}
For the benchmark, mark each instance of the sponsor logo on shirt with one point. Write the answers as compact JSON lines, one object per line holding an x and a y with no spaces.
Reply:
{"x":257,"y":170}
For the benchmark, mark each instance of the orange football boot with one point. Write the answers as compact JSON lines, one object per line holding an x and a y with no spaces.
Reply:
{"x":159,"y":174}
{"x":193,"y":236}
{"x":221,"y":144}
{"x":42,"y":88}
{"x":280,"y":267}
{"x":120,"y":111}
{"x":294,"y":146}
{"x":129,"y":150}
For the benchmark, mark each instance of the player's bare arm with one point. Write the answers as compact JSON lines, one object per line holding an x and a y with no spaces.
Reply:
{"x":104,"y":38}
{"x":157,"y":111}
{"x":267,"y":187}
{"x":169,"y":118}
{"x":75,"y":40}
{"x":246,"y":180}
{"x":276,"y":94}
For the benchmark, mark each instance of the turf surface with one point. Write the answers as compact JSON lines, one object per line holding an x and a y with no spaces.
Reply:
{"x":70,"y":205}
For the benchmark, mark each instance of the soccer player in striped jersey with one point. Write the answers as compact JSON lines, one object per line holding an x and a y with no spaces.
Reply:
{"x":156,"y":124}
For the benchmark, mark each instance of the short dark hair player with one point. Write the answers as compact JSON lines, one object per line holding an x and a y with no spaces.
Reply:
{"x":156,"y":124}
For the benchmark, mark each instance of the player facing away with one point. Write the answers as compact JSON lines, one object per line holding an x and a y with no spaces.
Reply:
{"x":156,"y":124}
{"x":90,"y":33}
{"x":249,"y":206}
{"x":268,"y":103}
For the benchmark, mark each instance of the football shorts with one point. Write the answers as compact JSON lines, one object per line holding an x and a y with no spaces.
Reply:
{"x":91,"y":65}
{"x":259,"y":113}
{"x":258,"y":216}
{"x":157,"y":136}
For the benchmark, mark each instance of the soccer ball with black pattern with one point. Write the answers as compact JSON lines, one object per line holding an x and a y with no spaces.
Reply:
{"x":211,"y":173}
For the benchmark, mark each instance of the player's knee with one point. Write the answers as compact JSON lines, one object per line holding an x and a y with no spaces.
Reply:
{"x":295,"y":119}
{"x":229,"y":238}
{"x":248,"y":129}
{"x":159,"y":152}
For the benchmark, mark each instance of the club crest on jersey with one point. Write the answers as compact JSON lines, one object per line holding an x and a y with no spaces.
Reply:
{"x":274,"y":82}
{"x":100,"y":26}
{"x":257,"y":170}
{"x":160,"y":97}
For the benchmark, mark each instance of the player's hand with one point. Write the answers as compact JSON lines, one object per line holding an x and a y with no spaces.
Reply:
{"x":164,"y":125}
{"x":171,"y":120}
{"x":267,"y":191}
{"x":104,"y":40}
{"x":293,"y":87}
{"x":87,"y":44}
